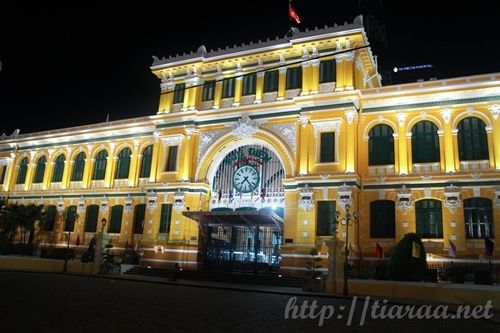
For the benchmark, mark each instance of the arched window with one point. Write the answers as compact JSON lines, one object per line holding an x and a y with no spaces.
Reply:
{"x":58,"y":168}
{"x":78,"y":167}
{"x":91,"y":216}
{"x":478,"y":217}
{"x":472,"y":140}
{"x":424,"y":142}
{"x":147,"y":155}
{"x":70,"y":218}
{"x":50,"y":218}
{"x":21,"y":174}
{"x":40,"y":170}
{"x":139,"y":215}
{"x":116,"y":219}
{"x":165,"y":217}
{"x":382,"y":219}
{"x":123,"y":164}
{"x":381,"y":145}
{"x":100,"y":165}
{"x":429,"y":218}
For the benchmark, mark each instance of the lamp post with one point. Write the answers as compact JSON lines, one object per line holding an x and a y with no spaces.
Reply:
{"x":348,"y":220}
{"x":65,"y":269}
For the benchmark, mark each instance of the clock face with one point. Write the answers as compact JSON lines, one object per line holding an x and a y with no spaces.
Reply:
{"x":246,"y":179}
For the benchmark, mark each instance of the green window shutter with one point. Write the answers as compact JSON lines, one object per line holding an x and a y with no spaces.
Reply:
{"x":249,"y":84}
{"x":147,"y":155}
{"x":294,"y":78}
{"x":179,"y":93}
{"x":271,"y":80}
{"x":208,"y":90}
{"x":325,"y":217}
{"x":100,"y":165}
{"x":382,"y":219}
{"x":327,"y":71}
{"x":116,"y":219}
{"x":472,"y":140}
{"x":70,"y":218}
{"x":91,"y":215}
{"x":23,"y":168}
{"x":425,"y":142}
{"x":228,"y":85}
{"x":429,"y":218}
{"x":165,"y":217}
{"x":327,"y":147}
{"x":78,"y":167}
{"x":139,"y":214}
{"x":58,"y":169}
{"x":2,"y":177}
{"x":478,"y":218}
{"x":50,"y":218}
{"x":381,"y":145}
{"x":123,"y":164}
{"x":171,"y":164}
{"x":40,"y":170}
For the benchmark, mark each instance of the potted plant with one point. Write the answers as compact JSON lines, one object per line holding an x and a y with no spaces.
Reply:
{"x":313,"y":282}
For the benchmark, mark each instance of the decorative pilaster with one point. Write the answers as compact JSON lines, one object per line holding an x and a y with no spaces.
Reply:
{"x":193,"y":85}
{"x":110,"y":166}
{"x":281,"y":84}
{"x":9,"y":173}
{"x":155,"y":158}
{"x":306,"y":75}
{"x":239,"y":83}
{"x":218,"y":88}
{"x":89,"y":167}
{"x":167,"y":93}
{"x":133,"y":174}
{"x":495,"y":111}
{"x":351,"y":118}
{"x":449,"y":156}
{"x":348,"y":71}
{"x":29,"y":173}
{"x":259,"y":88}
{"x":68,"y":167}
{"x":403,"y":147}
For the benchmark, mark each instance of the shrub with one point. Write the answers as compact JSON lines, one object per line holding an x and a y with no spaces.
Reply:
{"x":403,"y":265}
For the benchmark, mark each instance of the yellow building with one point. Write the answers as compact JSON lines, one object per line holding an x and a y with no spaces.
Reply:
{"x":253,"y":150}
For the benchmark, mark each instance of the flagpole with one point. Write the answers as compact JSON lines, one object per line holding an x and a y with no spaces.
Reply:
{"x":289,"y":20}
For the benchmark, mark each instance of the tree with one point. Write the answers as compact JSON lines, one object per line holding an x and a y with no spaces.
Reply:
{"x":408,"y":260}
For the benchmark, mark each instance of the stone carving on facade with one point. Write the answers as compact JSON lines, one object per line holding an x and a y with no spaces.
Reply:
{"x":405,"y":200}
{"x":446,"y":113}
{"x":172,"y":140}
{"x":495,"y":111}
{"x":287,"y":132}
{"x":104,"y":204}
{"x":128,"y":204}
{"x":401,"y":118}
{"x":452,"y":199}
{"x":207,"y":139}
{"x":350,"y":115}
{"x":245,"y":127}
{"x":179,"y":201}
{"x":81,"y":205}
{"x":306,"y":200}
{"x":344,"y":196}
{"x":326,"y":126}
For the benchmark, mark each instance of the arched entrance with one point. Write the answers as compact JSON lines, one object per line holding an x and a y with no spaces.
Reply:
{"x":243,"y":229}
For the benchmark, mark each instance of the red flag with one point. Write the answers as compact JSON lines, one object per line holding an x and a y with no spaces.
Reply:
{"x":379,"y":252}
{"x":78,"y":240}
{"x":293,"y":13}
{"x":452,"y":250}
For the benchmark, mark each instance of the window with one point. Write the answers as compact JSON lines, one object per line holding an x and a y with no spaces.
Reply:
{"x":40,"y":170}
{"x":58,"y":169}
{"x":116,"y":219}
{"x":294,"y":78}
{"x":429,"y":218}
{"x":139,"y":215}
{"x":249,"y":84}
{"x":100,"y":165}
{"x":50,"y":218}
{"x":91,"y":216}
{"x":327,"y":71}
{"x":165,"y":217}
{"x":171,"y":164}
{"x":123,"y":164}
{"x":147,"y":155}
{"x":472,"y":140}
{"x":327,"y":147}
{"x":21,"y":174}
{"x":382,"y":219}
{"x":478,"y":216}
{"x":70,"y":218}
{"x":324,"y":218}
{"x":228,"y":85}
{"x":78,"y":167}
{"x":424,"y":142}
{"x":381,"y":145}
{"x":271,"y":81}
{"x":179,"y":93}
{"x":208,"y":90}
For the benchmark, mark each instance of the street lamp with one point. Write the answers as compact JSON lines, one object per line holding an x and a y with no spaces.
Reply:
{"x":348,"y":220}
{"x":65,"y":269}
{"x":103,"y":225}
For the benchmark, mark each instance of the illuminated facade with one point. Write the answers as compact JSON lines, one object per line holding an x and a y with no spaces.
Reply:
{"x":254,"y":148}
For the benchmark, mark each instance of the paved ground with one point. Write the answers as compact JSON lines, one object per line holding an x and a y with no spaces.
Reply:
{"x":37,"y":302}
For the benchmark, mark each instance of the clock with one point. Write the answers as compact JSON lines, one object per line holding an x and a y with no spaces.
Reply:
{"x":246,"y":179}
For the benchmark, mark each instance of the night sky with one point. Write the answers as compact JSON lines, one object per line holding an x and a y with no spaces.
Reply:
{"x":70,"y":66}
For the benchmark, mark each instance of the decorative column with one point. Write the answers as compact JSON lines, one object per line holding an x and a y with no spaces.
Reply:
{"x":314,"y":84}
{"x":491,"y":146}
{"x":339,"y":61}
{"x":167,"y":93}
{"x":10,"y":172}
{"x":396,"y":152}
{"x":449,"y":153}
{"x":110,"y":166}
{"x":134,"y":165}
{"x":239,"y":83}
{"x":259,"y":88}
{"x":188,"y":154}
{"x":187,"y":91}
{"x":194,"y":87}
{"x":306,"y":75}
{"x":89,"y":167}
{"x":495,"y":111}
{"x":403,"y":149}
{"x":351,"y":117}
{"x":68,"y":167}
{"x":29,"y":173}
{"x":348,"y":70}
{"x":303,"y":150}
{"x":49,"y":168}
{"x":155,"y":158}
{"x":218,"y":88}
{"x":281,"y":83}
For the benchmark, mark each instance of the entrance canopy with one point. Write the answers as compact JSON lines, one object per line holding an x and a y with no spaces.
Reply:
{"x":236,"y":219}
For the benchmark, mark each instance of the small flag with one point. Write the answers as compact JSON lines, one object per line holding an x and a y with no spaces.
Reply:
{"x":78,"y":240}
{"x":379,"y":251}
{"x":452,"y":250}
{"x":415,"y":250}
{"x":488,"y":247}
{"x":293,"y":13}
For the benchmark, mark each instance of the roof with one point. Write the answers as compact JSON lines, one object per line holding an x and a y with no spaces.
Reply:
{"x":236,"y":218}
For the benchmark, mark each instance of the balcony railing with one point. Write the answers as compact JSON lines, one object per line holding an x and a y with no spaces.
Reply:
{"x":121,"y":182}
{"x":226,"y":102}
{"x":98,"y":183}
{"x":381,"y":170}
{"x":426,"y":168}
{"x":55,"y":186}
{"x":481,"y":165}
{"x":207,"y":105}
{"x":292,"y":93}
{"x":37,"y":186}
{"x":270,"y":96}
{"x":177,"y":107}
{"x":247,"y":99}
{"x":75,"y":185}
{"x":326,"y":87}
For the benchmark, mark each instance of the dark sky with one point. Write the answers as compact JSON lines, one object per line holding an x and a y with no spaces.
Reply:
{"x":69,"y":66}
